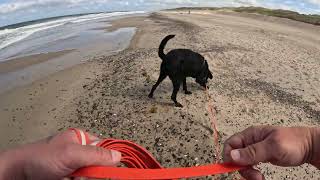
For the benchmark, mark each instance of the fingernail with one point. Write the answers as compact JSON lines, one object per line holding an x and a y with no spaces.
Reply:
{"x":116,"y":155}
{"x":235,"y":155}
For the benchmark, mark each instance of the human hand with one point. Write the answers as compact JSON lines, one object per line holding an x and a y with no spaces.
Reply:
{"x":280,"y":146}
{"x":54,"y":158}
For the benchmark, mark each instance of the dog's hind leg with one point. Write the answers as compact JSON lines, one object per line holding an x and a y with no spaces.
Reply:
{"x":162,"y":76}
{"x":185,"y":86}
{"x":176,"y":87}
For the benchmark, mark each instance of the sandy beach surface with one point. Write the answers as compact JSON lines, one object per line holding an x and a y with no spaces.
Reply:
{"x":266,"y":72}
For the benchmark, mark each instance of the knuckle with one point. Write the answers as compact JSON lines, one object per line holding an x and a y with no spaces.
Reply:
{"x":252,"y":153}
{"x":276,"y":139}
{"x":227,"y":143}
{"x":69,"y":153}
{"x":276,"y":145}
{"x":68,"y":150}
{"x":105,"y":154}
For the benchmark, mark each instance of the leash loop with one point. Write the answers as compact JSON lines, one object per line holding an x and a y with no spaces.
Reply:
{"x":141,"y":164}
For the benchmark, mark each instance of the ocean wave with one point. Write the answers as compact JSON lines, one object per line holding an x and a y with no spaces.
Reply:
{"x":9,"y":37}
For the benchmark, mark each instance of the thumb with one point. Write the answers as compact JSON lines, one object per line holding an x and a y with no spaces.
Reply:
{"x":82,"y":156}
{"x":251,"y":155}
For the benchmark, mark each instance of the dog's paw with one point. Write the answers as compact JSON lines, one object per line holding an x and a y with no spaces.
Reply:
{"x":188,"y":92}
{"x":178,"y":105}
{"x":150,"y":96}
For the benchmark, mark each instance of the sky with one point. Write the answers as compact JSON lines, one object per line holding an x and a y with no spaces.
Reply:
{"x":15,"y":11}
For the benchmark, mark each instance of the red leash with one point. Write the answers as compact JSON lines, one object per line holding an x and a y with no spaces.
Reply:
{"x":213,"y":118}
{"x":141,"y":164}
{"x":170,"y":173}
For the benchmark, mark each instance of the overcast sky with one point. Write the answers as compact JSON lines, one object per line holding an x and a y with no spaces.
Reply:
{"x":14,"y":11}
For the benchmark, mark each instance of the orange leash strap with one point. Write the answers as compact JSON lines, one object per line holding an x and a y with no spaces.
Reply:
{"x":141,"y":164}
{"x":170,"y":173}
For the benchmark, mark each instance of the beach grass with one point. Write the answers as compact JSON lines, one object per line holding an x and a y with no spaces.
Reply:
{"x":306,"y":18}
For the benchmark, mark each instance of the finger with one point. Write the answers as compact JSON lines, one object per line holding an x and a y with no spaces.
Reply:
{"x":234,"y":142}
{"x":251,"y":174}
{"x":78,"y":156}
{"x":226,"y":153}
{"x":251,"y":155}
{"x":255,"y":134}
{"x":71,"y":136}
{"x":245,"y":138}
{"x":65,"y":137}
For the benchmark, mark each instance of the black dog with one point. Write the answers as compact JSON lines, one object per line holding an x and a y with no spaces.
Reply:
{"x":179,"y":64}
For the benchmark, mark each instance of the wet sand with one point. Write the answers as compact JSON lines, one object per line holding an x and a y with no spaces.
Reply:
{"x":23,"y":62}
{"x":22,"y":71}
{"x":265,"y":72}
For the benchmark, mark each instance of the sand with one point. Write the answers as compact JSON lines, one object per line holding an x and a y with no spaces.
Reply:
{"x":23,"y":62}
{"x":265,"y":72}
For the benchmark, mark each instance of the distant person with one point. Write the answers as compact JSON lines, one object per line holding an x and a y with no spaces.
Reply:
{"x":59,"y":156}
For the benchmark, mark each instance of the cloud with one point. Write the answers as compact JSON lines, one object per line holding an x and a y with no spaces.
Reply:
{"x":18,"y":5}
{"x":316,"y":2}
{"x":14,"y":11}
{"x":9,"y":7}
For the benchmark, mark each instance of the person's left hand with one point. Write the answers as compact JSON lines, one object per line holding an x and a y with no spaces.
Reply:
{"x":54,"y":158}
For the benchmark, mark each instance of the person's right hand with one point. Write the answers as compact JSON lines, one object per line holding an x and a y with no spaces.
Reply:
{"x":278,"y":145}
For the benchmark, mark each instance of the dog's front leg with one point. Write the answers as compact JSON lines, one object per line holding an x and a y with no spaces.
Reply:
{"x":176,"y":87}
{"x":185,"y":87}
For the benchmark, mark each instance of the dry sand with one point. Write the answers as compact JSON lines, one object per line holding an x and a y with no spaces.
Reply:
{"x":265,"y":72}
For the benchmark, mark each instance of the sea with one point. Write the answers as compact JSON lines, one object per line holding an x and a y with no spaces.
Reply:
{"x":44,"y":35}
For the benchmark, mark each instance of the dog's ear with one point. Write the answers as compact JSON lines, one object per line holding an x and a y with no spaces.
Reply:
{"x":210,"y":75}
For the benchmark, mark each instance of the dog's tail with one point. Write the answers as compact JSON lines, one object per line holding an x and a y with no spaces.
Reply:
{"x":162,"y":46}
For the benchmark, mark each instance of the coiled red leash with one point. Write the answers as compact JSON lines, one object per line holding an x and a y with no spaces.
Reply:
{"x":141,"y":164}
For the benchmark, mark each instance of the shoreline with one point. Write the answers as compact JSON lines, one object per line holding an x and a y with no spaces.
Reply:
{"x":24,"y":70}
{"x":56,"y":34}
{"x":15,"y":64}
{"x":264,"y":74}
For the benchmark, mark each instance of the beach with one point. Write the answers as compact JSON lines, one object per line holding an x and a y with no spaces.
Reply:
{"x":265,"y":72}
